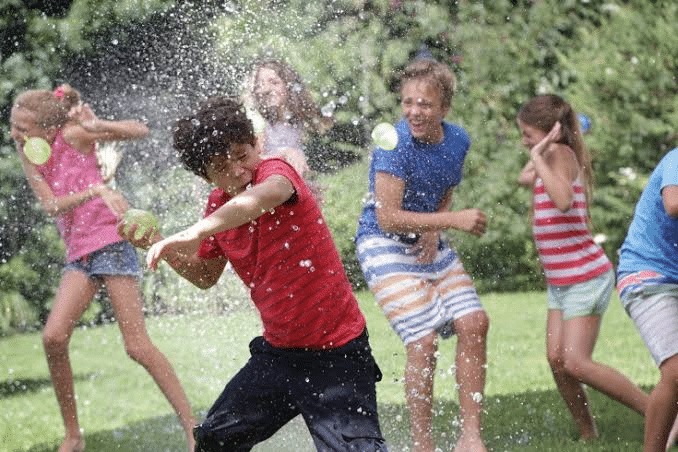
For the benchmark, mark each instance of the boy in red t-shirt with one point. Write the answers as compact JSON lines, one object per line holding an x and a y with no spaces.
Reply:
{"x":314,"y":357}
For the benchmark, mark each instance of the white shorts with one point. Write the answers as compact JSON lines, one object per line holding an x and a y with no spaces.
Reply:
{"x":655,"y":313}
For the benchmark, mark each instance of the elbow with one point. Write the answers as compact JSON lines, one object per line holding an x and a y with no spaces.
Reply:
{"x":385,"y":221}
{"x":143,"y":131}
{"x":564,"y":203}
{"x":204,"y":284}
{"x":564,"y":207}
{"x":671,"y":209}
{"x":51,"y":208}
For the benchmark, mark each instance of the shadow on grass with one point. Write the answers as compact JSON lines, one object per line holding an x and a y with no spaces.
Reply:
{"x":13,"y":388}
{"x":525,"y":422}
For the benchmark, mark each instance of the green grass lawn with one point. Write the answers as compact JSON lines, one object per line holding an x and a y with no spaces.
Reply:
{"x":121,"y":409}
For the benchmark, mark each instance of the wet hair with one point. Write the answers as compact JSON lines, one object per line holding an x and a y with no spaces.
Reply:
{"x":70,"y":97}
{"x":543,"y":111}
{"x":438,"y":74}
{"x":48,"y":111}
{"x":209,"y":131}
{"x":300,"y":109}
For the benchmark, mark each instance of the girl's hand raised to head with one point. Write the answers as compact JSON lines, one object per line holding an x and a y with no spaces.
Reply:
{"x":551,"y":137}
{"x":83,"y":114}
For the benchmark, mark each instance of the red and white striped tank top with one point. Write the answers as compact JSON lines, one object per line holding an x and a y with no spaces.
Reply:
{"x":566,"y":248}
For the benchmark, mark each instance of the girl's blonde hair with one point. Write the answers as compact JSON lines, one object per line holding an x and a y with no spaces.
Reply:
{"x":49,"y":111}
{"x":542,"y":112}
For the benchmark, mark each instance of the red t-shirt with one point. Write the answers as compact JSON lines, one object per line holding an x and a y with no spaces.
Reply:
{"x":288,"y":259}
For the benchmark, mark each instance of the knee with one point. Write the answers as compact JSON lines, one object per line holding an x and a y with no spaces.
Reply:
{"x":207,"y":441}
{"x":573,"y":366}
{"x":556,"y":360}
{"x":141,"y":352}
{"x":204,"y":441}
{"x":55,"y":341}
{"x":474,"y":326}
{"x":668,"y":372}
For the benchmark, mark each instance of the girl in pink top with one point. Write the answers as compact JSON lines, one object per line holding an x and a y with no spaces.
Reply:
{"x":578,"y":274}
{"x":70,"y":188}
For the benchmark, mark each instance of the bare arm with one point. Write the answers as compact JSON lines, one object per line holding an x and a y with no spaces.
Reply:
{"x":392,"y":218}
{"x":426,"y":247}
{"x":241,"y":209}
{"x":528,"y":174}
{"x":670,"y":200}
{"x":86,"y":128}
{"x":202,"y":273}
{"x":58,"y":205}
{"x":557,"y":166}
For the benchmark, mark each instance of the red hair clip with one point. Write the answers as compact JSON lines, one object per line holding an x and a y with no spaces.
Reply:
{"x":59,"y":92}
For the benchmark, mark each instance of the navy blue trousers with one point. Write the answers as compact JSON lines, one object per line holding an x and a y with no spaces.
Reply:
{"x":334,"y":391}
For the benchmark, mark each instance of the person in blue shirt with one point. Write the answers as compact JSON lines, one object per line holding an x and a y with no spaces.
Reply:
{"x":415,"y":276}
{"x":647,"y":282}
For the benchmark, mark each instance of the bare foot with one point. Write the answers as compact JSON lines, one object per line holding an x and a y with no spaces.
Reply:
{"x":470,"y":443}
{"x":73,"y":445}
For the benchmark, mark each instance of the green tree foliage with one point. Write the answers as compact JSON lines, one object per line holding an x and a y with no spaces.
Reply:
{"x":613,"y":60}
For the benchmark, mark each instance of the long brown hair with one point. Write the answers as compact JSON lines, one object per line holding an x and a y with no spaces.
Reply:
{"x":542,"y":112}
{"x":68,"y":95}
{"x":300,"y":105}
{"x":48,"y":110}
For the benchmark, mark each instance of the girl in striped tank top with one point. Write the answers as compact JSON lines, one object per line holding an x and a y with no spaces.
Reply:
{"x":578,"y":274}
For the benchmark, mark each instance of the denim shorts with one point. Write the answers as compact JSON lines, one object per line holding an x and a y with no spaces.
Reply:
{"x":583,"y":299}
{"x":115,"y":259}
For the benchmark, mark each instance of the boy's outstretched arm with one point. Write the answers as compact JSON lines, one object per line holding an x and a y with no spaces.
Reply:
{"x":241,"y":209}
{"x":202,"y":273}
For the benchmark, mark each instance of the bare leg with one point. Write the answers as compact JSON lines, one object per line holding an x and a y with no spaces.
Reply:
{"x":75,"y":292}
{"x":579,"y":338}
{"x":419,"y":373}
{"x":571,"y":390}
{"x":662,"y":407}
{"x":127,"y":303}
{"x":673,"y":435}
{"x":471,"y":370}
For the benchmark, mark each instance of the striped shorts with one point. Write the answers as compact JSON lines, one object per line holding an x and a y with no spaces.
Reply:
{"x":416,"y":298}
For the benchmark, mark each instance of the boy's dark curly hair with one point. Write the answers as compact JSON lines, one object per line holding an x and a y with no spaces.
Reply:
{"x":209,"y":131}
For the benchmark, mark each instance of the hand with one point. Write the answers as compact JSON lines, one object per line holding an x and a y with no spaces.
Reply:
{"x":113,"y":199}
{"x":128,"y":232}
{"x":426,"y":247}
{"x":83,"y":114}
{"x":473,"y":221}
{"x":539,"y":148}
{"x":182,"y":245}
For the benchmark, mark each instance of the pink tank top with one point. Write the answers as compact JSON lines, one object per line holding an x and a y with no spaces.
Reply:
{"x":566,"y":248}
{"x":91,"y":225}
